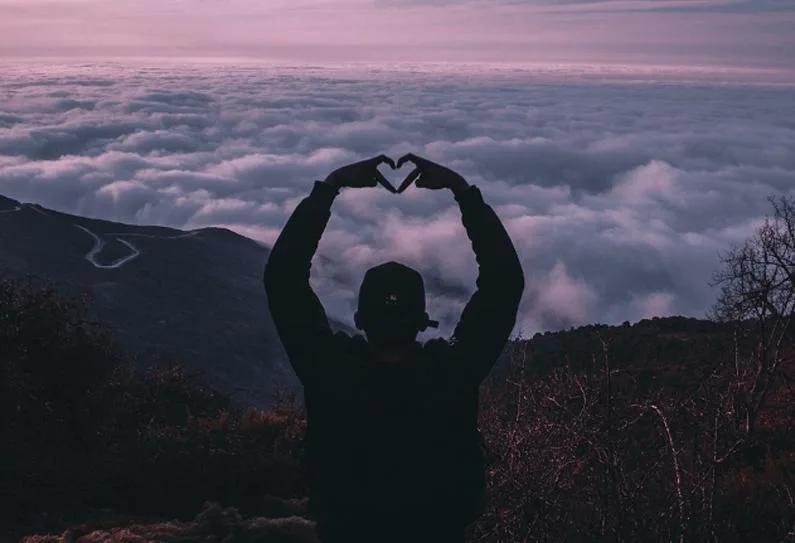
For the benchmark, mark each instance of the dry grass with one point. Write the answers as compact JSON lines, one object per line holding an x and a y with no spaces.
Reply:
{"x":213,"y":524}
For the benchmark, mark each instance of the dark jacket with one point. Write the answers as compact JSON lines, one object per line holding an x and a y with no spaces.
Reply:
{"x":393,"y":440}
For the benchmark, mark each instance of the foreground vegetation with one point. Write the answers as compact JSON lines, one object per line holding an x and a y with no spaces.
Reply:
{"x":85,"y":432}
{"x":605,"y":446}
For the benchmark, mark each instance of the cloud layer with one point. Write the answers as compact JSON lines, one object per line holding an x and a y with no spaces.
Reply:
{"x":618,"y":194}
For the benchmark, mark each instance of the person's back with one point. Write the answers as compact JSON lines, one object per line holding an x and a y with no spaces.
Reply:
{"x":395,"y":440}
{"x":392,"y":448}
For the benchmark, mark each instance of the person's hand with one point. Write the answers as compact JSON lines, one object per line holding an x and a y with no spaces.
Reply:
{"x":430,"y":175}
{"x":362,"y":174}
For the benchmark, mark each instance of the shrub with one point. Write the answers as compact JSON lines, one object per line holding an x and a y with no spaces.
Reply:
{"x":84,"y":428}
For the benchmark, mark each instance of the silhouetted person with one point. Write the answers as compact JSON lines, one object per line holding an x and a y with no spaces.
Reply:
{"x":393,"y":451}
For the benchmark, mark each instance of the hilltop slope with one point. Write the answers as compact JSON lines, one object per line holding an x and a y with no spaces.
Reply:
{"x":192,"y":296}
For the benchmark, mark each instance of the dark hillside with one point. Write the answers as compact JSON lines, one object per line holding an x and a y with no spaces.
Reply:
{"x":193,"y":296}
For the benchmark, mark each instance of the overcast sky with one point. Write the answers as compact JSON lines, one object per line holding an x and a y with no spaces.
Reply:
{"x":674,"y":32}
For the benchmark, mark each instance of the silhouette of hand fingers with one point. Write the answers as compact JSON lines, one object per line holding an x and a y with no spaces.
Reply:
{"x":379,"y":177}
{"x":411,"y":157}
{"x":429,"y":174}
{"x":410,"y":178}
{"x":424,"y":183}
{"x":383,"y":159}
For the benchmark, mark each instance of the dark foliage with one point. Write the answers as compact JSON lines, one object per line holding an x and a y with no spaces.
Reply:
{"x":644,"y":450}
{"x":83,"y":430}
{"x":626,"y":433}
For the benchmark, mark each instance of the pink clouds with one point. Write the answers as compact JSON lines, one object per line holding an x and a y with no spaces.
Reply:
{"x":559,"y":299}
{"x":655,"y":304}
{"x":649,"y":183}
{"x":618,"y":194}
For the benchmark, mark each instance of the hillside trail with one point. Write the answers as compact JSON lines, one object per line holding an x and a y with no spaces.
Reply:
{"x":93,"y":254}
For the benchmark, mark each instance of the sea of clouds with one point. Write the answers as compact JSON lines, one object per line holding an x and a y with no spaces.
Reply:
{"x":620,"y":188}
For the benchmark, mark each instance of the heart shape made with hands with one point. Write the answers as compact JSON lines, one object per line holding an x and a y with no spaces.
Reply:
{"x":409,"y":164}
{"x":401,"y":174}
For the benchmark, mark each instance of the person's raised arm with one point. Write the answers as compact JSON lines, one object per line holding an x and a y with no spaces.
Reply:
{"x":299,"y":316}
{"x":490,"y":315}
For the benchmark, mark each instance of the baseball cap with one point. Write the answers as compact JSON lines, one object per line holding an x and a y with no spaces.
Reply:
{"x":393,"y":291}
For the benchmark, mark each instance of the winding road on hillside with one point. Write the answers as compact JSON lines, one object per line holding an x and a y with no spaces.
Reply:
{"x":99,"y":243}
{"x":135,"y":252}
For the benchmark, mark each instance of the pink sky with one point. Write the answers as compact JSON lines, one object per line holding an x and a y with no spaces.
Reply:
{"x":681,"y":32}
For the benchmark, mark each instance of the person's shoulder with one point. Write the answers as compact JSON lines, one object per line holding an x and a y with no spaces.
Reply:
{"x":340,"y":360}
{"x":357,"y":342}
{"x":349,"y":346}
{"x":344,"y":339}
{"x":436,"y":346}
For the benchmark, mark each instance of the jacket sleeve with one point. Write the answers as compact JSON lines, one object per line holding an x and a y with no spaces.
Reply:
{"x":490,"y":315}
{"x":299,"y":316}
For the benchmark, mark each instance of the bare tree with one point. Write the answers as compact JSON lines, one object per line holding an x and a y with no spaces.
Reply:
{"x":757,"y":293}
